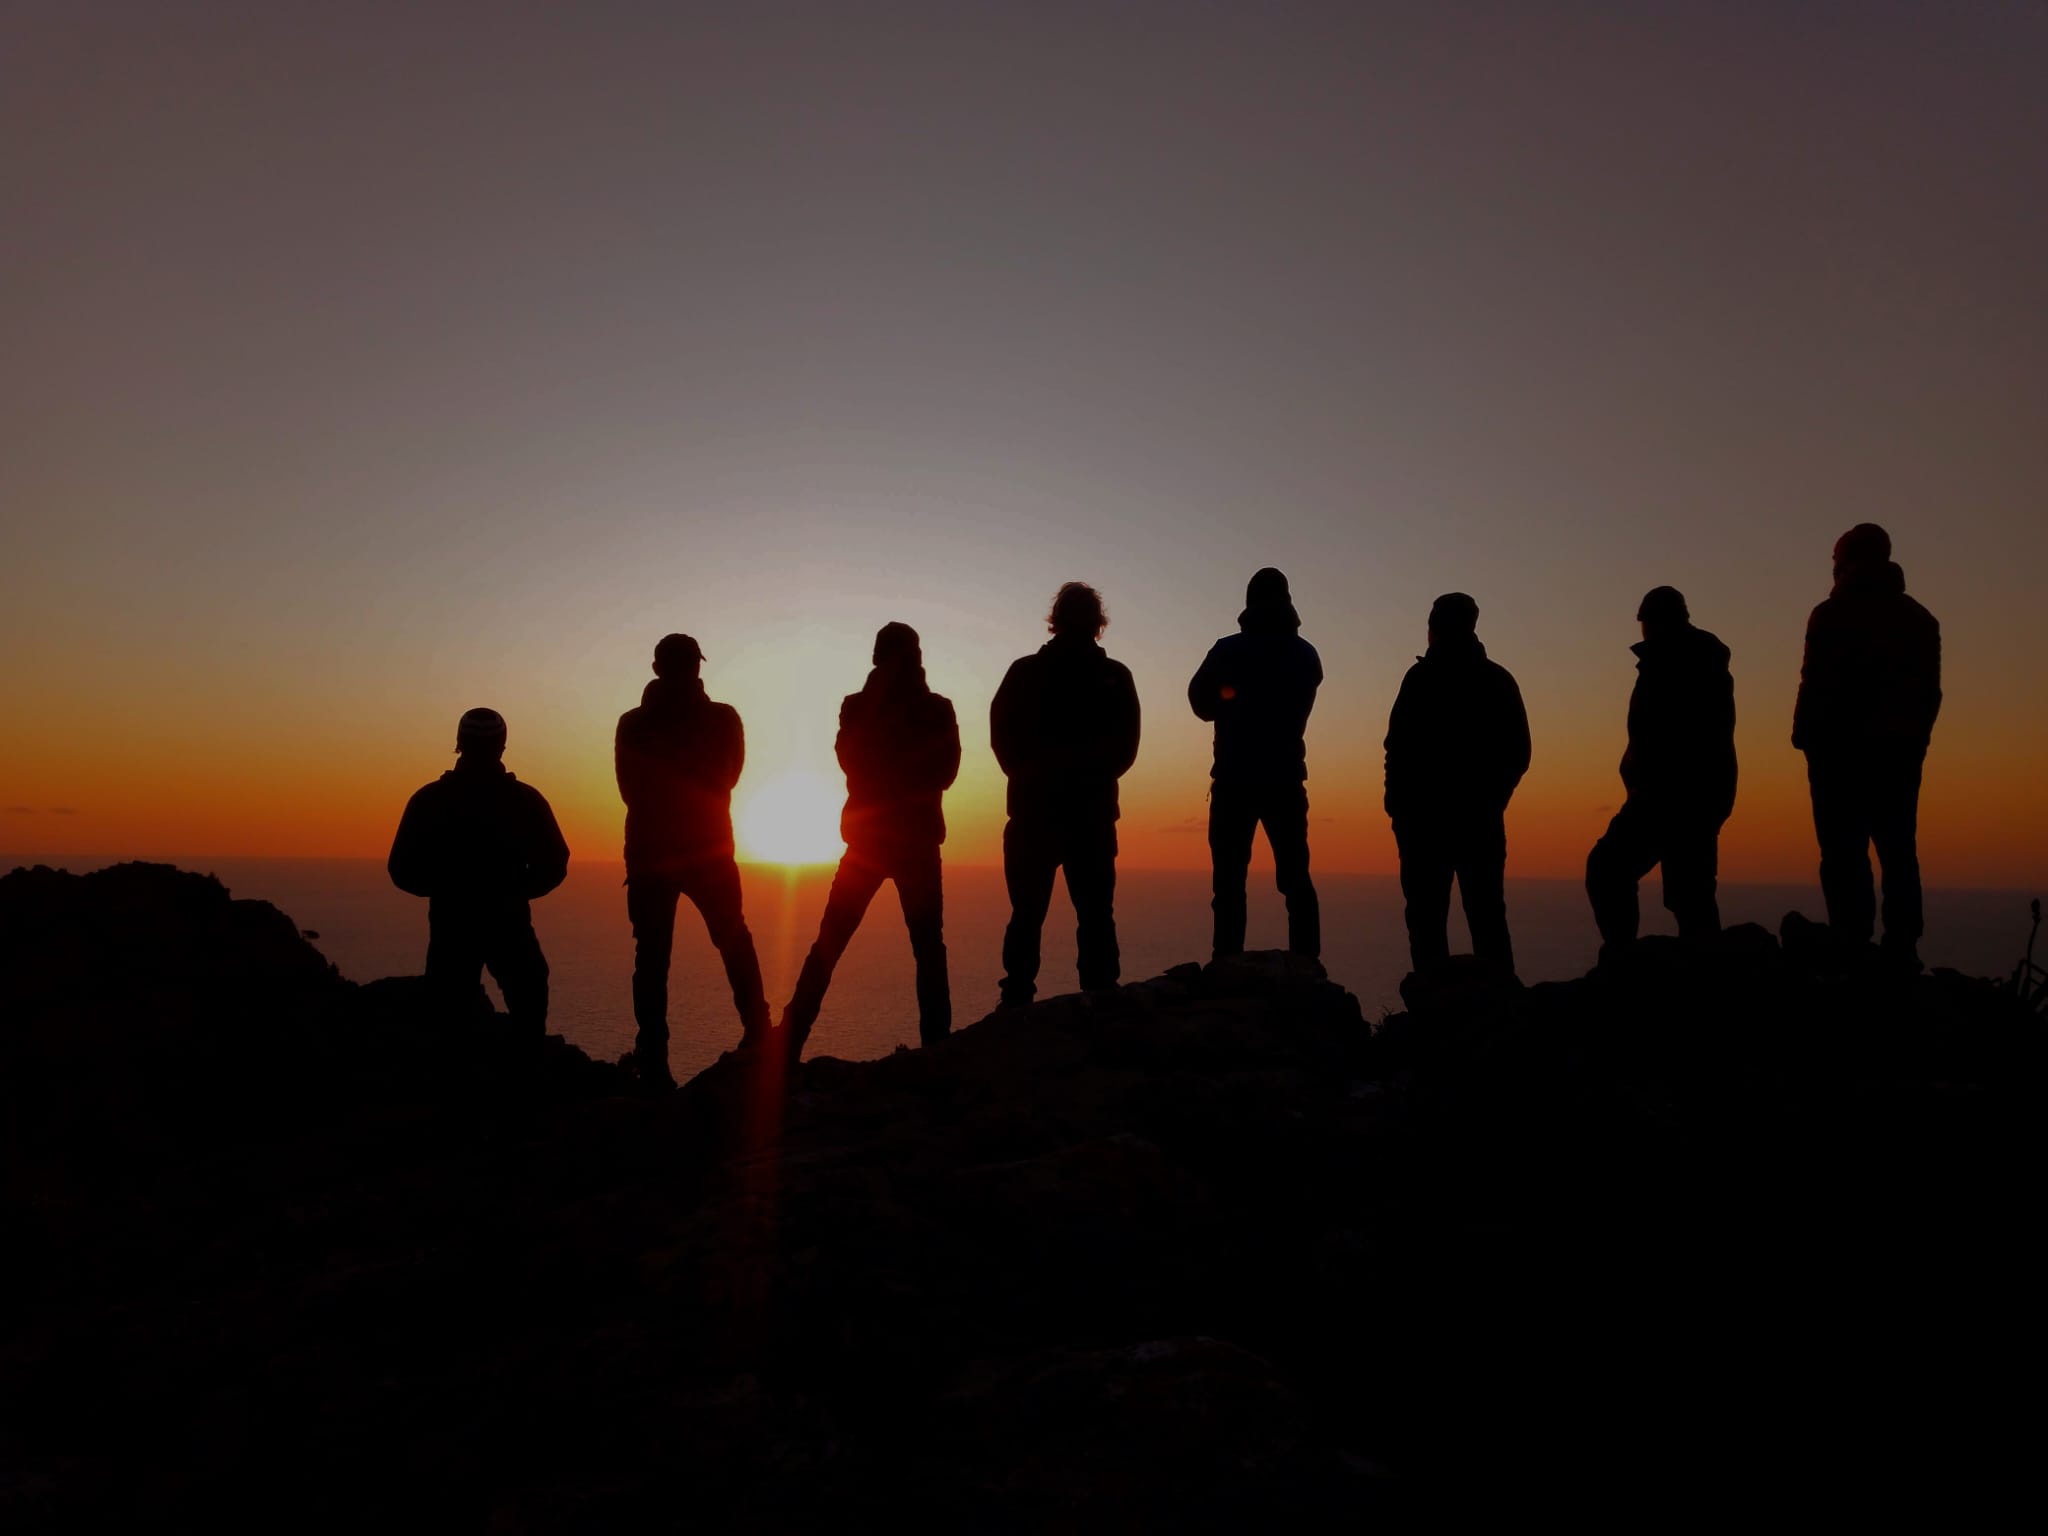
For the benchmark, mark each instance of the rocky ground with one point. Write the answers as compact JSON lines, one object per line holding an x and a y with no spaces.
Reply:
{"x":1713,"y":1230}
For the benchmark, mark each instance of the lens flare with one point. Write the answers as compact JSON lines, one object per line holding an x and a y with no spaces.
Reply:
{"x":790,"y":819}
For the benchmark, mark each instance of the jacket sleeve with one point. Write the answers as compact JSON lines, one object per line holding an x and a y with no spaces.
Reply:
{"x":547,"y":858}
{"x":1515,"y":759}
{"x":845,"y":744}
{"x":1927,"y":678}
{"x":945,"y":759}
{"x":1005,"y":729}
{"x":1814,"y":681}
{"x":625,"y":765}
{"x":1400,"y":735}
{"x":411,"y":864}
{"x":732,"y":757}
{"x":1205,"y":689}
{"x":1123,"y":742}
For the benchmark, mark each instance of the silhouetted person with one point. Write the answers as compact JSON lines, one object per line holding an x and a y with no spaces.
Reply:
{"x":1258,"y":686}
{"x":1457,"y":745}
{"x":1679,"y":771}
{"x":480,"y":845}
{"x":1869,"y":690}
{"x":1064,"y":725}
{"x":900,"y":746}
{"x":678,"y":756}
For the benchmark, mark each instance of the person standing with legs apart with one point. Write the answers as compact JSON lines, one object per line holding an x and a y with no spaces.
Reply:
{"x":1869,"y":689}
{"x":1064,"y":725}
{"x":678,"y":756}
{"x":480,"y":846}
{"x":1258,"y":686}
{"x":900,"y":746}
{"x":1679,"y":772}
{"x":1457,"y":746}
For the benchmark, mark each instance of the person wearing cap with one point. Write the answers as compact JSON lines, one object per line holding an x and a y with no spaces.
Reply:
{"x":1869,"y":690}
{"x":1457,"y":747}
{"x":1679,"y":774}
{"x":1259,"y":686}
{"x":899,"y":744}
{"x":677,"y":757}
{"x":481,"y":846}
{"x":1064,"y":725}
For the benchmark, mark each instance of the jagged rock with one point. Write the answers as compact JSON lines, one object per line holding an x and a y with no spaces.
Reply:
{"x":1206,"y":1252}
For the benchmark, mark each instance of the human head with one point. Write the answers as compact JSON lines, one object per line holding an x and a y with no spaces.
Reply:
{"x":1663,"y":608}
{"x":677,"y":656}
{"x":1077,"y":610}
{"x":480,"y":733}
{"x":1452,"y":616}
{"x":1863,"y":546}
{"x":1267,"y":589}
{"x":897,"y":645}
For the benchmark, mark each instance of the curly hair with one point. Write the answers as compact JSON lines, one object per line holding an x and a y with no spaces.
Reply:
{"x":1077,"y":610}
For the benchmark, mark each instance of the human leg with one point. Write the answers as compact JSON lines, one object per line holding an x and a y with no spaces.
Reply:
{"x":1030,"y":860}
{"x":715,"y":888}
{"x":1233,"y":817}
{"x":1895,"y":829}
{"x":853,"y":887}
{"x":1691,"y":858}
{"x":1626,"y":852}
{"x":1482,"y":887}
{"x":1089,"y":862}
{"x":1426,"y":868}
{"x":1842,"y":826}
{"x":521,"y":971}
{"x":1285,"y":815}
{"x":920,"y":889}
{"x":651,"y":908}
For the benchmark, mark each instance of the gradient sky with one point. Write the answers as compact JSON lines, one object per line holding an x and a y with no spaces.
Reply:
{"x":362,"y":363}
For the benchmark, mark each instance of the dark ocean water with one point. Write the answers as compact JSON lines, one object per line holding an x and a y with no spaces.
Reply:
{"x":370,"y":929}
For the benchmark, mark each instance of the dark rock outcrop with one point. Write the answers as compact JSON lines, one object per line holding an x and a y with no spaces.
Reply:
{"x":1209,"y":1252}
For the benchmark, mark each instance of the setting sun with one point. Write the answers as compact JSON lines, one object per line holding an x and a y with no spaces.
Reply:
{"x":790,"y":819}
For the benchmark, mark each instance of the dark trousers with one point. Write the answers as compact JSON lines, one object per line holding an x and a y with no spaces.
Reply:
{"x":1473,"y":850}
{"x":651,"y":905}
{"x":1236,"y":812}
{"x":1860,"y":799}
{"x":1637,"y":841}
{"x":920,"y":890}
{"x":1033,"y":853}
{"x":463,"y":943}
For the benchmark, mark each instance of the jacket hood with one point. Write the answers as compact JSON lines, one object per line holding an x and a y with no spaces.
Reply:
{"x":898,"y":682}
{"x":477,"y":769}
{"x":1887,"y":580}
{"x":1455,"y":648}
{"x":1689,"y":643}
{"x":666,"y":693}
{"x":1070,"y":647}
{"x":1270,"y":619}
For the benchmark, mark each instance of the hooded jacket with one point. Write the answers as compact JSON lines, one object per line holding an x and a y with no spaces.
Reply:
{"x":900,"y":746}
{"x":477,"y":837}
{"x":1064,"y":725}
{"x":1681,"y":726}
{"x":677,"y":757}
{"x":1871,"y":677}
{"x":1259,"y":686}
{"x":1458,"y":737}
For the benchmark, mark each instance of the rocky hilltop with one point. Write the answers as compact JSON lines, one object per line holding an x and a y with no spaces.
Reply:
{"x":1708,"y":1228}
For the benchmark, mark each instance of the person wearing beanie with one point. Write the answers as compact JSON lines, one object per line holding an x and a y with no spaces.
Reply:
{"x":1869,"y":691}
{"x":481,"y":846}
{"x":1679,"y":774}
{"x":677,"y":757}
{"x":899,"y":744}
{"x":1064,"y":725}
{"x":1258,"y":687}
{"x":1457,"y":747}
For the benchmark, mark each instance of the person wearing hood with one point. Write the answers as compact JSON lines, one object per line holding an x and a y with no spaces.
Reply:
{"x":1064,"y":725}
{"x":1457,"y":747}
{"x":678,"y":756}
{"x":1869,"y":689}
{"x":481,"y":846}
{"x":1259,"y":686}
{"x":899,"y":744}
{"x":1679,"y":774}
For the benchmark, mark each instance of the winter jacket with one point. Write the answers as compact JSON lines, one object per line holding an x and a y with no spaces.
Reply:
{"x":677,"y":757}
{"x":476,"y":836}
{"x":1258,"y":686}
{"x":1064,"y":725}
{"x":1458,"y":737}
{"x":1871,"y":678}
{"x":1681,"y":727}
{"x":900,"y":746}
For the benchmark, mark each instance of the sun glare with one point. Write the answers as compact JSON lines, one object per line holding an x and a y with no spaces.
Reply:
{"x":790,"y":819}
